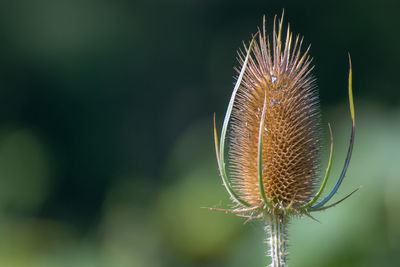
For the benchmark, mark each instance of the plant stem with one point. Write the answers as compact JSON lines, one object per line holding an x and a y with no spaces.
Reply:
{"x":276,"y":231}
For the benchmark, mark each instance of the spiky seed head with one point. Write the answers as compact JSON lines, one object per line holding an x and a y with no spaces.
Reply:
{"x":273,"y":117}
{"x":280,"y":74}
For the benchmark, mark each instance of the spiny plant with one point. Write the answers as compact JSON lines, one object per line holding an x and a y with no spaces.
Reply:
{"x":273,"y":119}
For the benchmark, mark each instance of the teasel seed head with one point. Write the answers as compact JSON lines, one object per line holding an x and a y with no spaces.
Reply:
{"x":273,"y":120}
{"x":281,"y":84}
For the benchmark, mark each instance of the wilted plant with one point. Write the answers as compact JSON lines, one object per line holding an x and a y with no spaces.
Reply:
{"x":274,"y":131}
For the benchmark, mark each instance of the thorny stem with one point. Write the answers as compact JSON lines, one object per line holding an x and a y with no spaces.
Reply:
{"x":276,"y":231}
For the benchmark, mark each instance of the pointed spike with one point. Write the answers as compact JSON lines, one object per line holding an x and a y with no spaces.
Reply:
{"x":274,"y":44}
{"x":334,"y":204}
{"x":313,"y":218}
{"x":232,"y":211}
{"x":286,"y":51}
{"x":280,"y":41}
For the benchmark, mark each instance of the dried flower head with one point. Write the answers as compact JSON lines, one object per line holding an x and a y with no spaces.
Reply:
{"x":273,"y":120}
{"x":280,"y":91}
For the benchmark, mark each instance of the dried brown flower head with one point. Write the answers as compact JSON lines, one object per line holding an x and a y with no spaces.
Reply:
{"x":290,"y":149}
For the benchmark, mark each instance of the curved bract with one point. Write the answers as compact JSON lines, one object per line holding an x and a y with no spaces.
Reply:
{"x":259,"y":156}
{"x":320,"y":205}
{"x":221,"y":148}
{"x":327,"y":172}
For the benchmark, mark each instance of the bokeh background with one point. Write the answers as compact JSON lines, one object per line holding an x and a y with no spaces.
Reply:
{"x":106,"y":152}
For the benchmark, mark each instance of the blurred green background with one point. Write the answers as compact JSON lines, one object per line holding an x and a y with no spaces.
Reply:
{"x":106,"y":152}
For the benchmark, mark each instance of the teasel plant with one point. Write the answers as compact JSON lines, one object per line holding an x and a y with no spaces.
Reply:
{"x":273,"y":124}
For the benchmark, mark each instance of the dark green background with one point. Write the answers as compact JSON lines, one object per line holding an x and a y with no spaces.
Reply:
{"x":106,"y":151}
